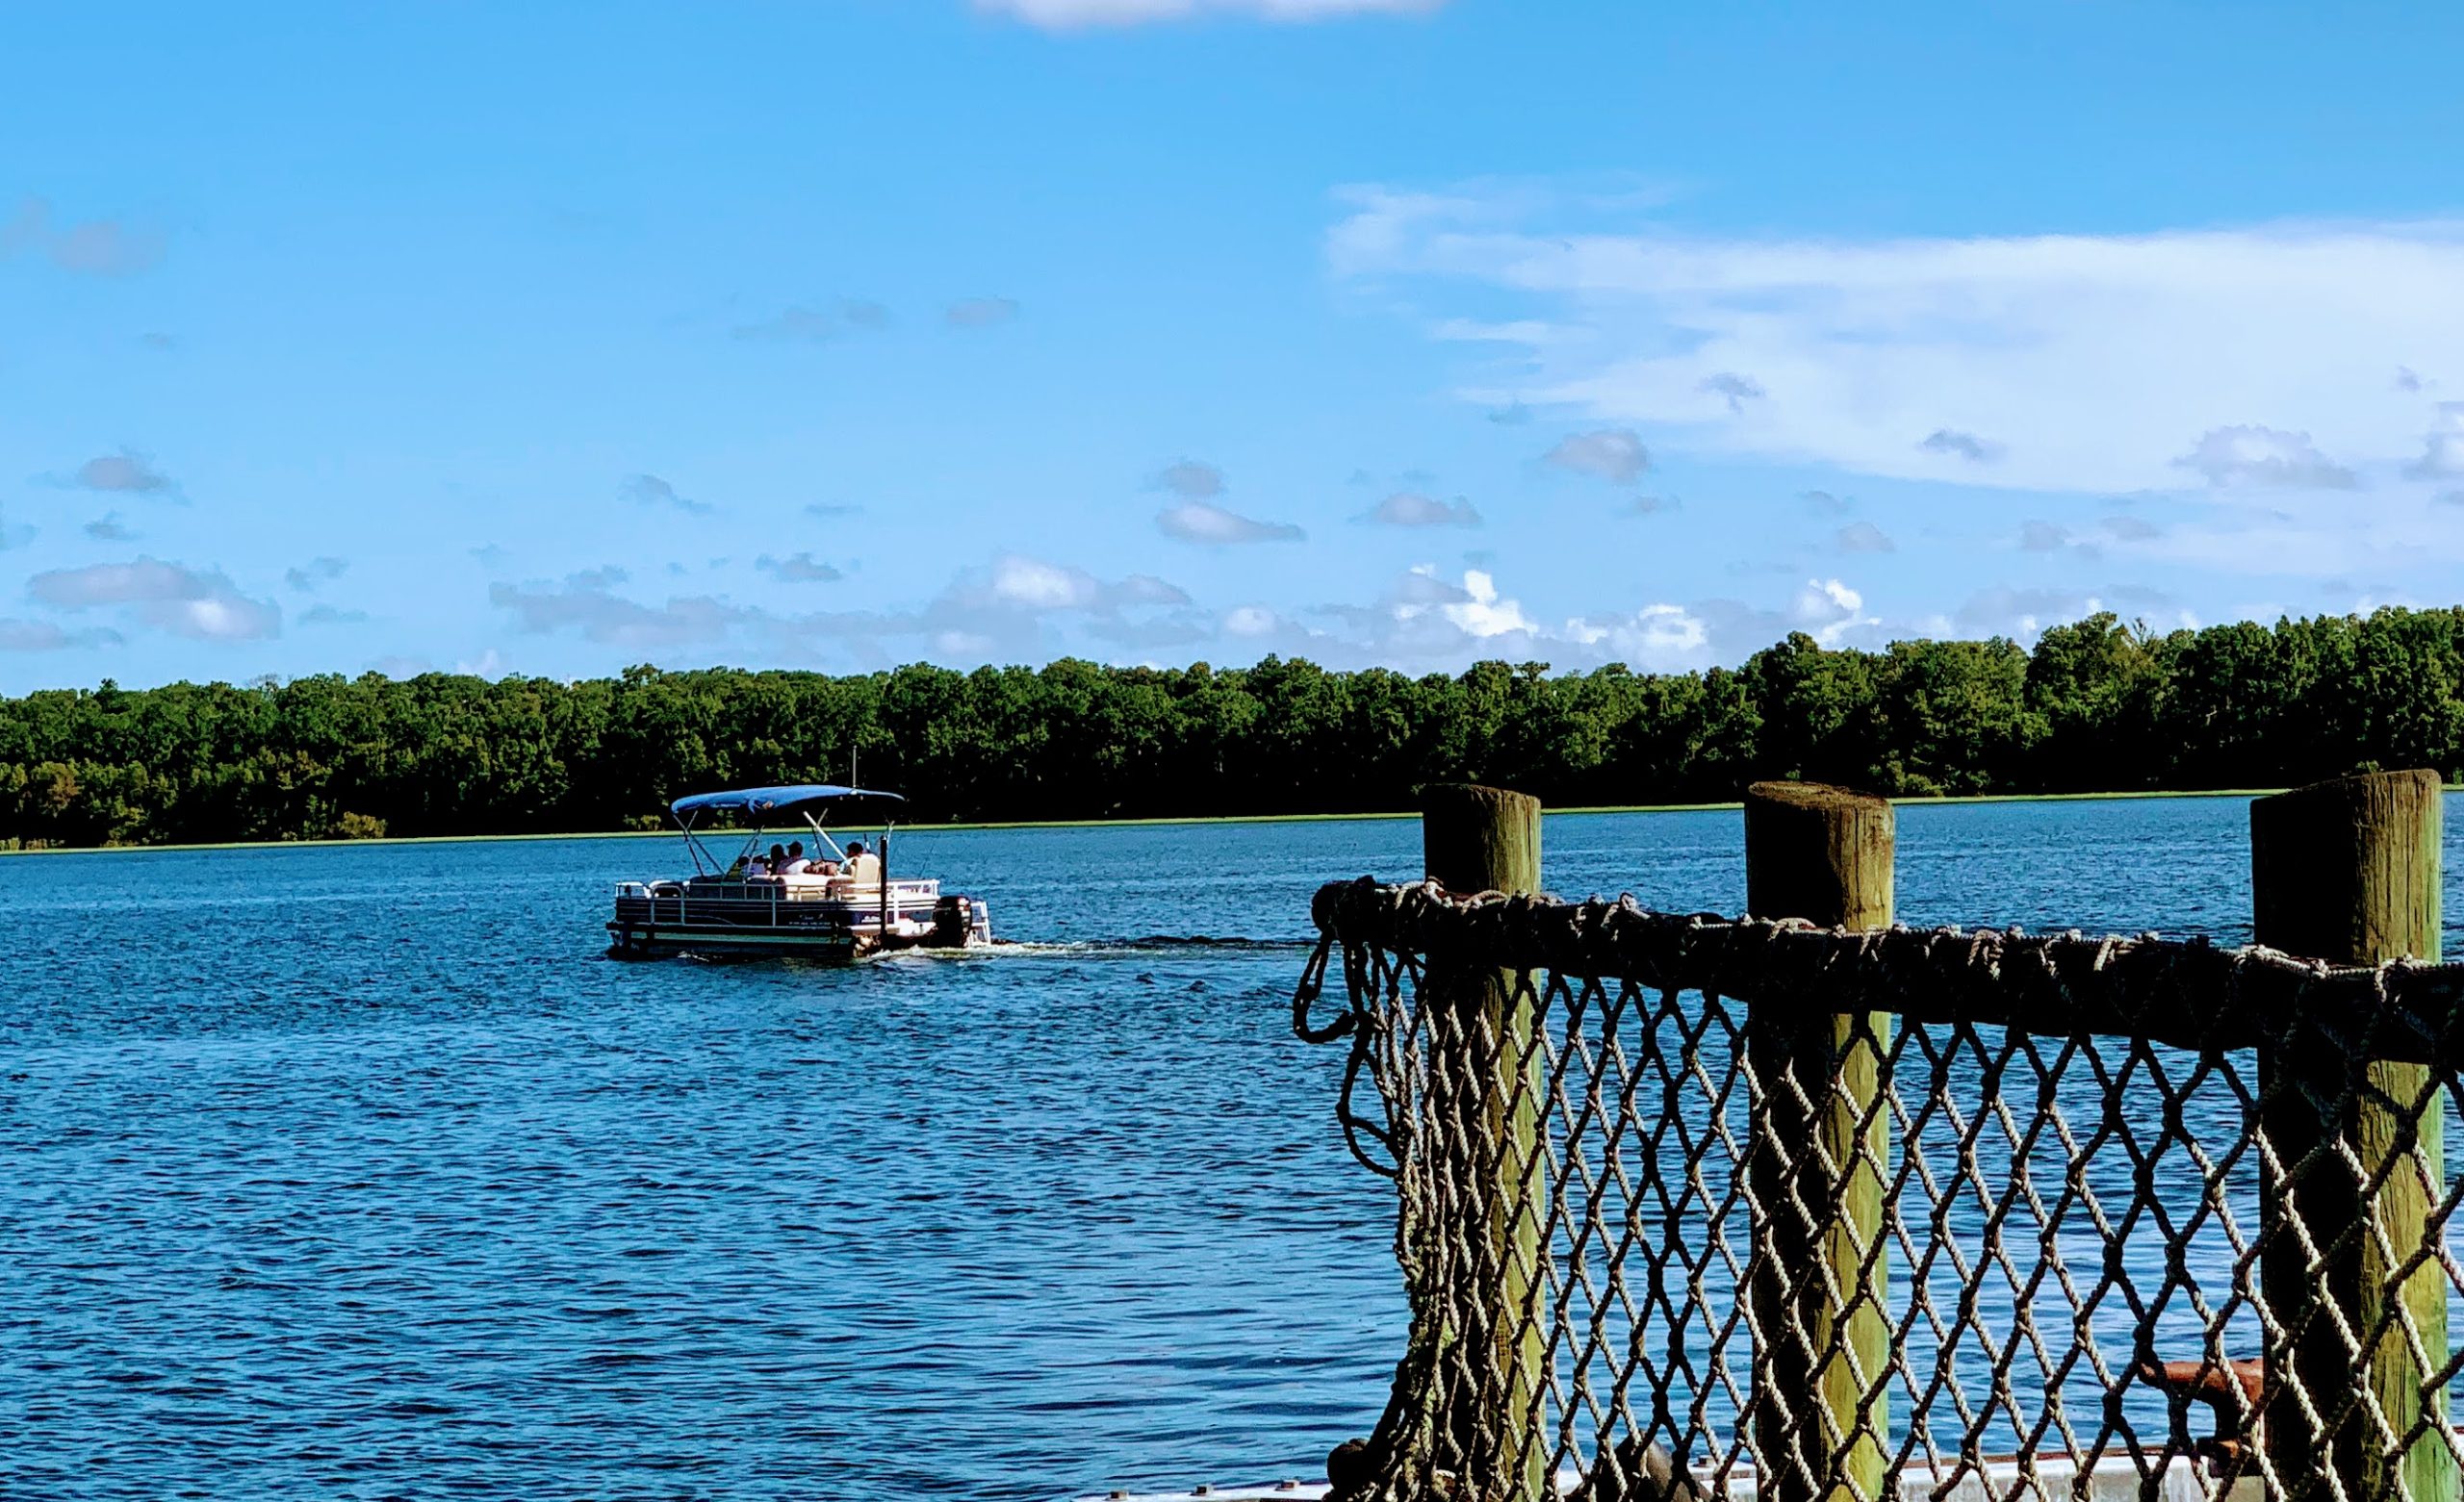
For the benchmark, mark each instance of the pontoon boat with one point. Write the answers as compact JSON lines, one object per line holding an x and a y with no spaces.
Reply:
{"x":837,"y":911}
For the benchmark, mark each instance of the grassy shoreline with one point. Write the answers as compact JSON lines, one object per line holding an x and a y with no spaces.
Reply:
{"x":1111,"y":823}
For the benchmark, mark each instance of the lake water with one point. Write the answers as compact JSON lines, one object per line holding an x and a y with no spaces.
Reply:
{"x":357,"y":1172}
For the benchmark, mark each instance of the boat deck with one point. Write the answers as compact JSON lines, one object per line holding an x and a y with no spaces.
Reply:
{"x":821,"y":917}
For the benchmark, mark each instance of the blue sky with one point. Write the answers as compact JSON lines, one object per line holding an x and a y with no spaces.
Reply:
{"x":553,"y":339}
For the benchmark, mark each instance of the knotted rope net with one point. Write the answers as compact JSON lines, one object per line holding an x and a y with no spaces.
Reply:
{"x":1692,"y":1207}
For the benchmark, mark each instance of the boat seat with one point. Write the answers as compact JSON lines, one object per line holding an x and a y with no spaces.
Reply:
{"x":720,"y":889}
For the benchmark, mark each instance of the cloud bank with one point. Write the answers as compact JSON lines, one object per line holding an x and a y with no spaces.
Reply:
{"x":1204,"y":521}
{"x":2072,"y":363}
{"x":201,"y":604}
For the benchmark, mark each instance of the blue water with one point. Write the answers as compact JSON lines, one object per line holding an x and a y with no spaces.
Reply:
{"x":357,"y":1173}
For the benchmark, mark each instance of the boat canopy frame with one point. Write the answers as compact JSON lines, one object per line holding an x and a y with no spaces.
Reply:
{"x":800,"y":797}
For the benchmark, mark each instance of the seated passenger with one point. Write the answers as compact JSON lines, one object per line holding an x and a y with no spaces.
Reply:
{"x":777,"y":863}
{"x":862,"y":865}
{"x":796,"y":865}
{"x":758,"y":866}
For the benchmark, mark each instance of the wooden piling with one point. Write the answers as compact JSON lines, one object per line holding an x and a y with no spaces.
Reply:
{"x":1821,"y":1413}
{"x":2347,"y":871}
{"x":1485,"y":839}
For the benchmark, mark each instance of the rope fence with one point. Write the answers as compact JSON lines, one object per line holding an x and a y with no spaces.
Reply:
{"x":1818,"y":1208}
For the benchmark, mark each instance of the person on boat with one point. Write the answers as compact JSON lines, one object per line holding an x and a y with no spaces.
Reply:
{"x":864,"y":866}
{"x":796,"y":865}
{"x":750,"y":870}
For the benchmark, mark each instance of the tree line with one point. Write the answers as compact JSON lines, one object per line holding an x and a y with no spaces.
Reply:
{"x":2098,"y":705}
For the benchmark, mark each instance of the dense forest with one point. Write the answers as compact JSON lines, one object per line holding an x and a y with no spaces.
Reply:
{"x":2096,"y":705}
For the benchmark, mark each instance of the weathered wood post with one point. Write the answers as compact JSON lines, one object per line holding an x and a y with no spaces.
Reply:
{"x":1485,"y":839}
{"x":1818,"y":1165}
{"x":2347,"y":871}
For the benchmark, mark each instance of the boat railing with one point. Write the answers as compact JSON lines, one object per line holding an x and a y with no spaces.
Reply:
{"x":903,"y":893}
{"x":843,"y":889}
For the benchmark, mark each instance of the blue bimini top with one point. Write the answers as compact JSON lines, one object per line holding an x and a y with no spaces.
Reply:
{"x":766,"y":799}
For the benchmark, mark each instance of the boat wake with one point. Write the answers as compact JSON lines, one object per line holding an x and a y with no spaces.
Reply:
{"x":1093,"y":949}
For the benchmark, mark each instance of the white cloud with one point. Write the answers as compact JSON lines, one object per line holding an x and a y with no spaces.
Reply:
{"x":2265,"y":457}
{"x":955,"y":643}
{"x":1479,"y":613}
{"x":1734,"y":388}
{"x":1250,"y":621}
{"x":1656,"y":638}
{"x":1830,"y":611}
{"x":1145,"y":589}
{"x":1961,"y":445}
{"x":1201,"y":522}
{"x":649,"y":490}
{"x":18,"y":635}
{"x":1008,"y":608}
{"x":1411,"y":508}
{"x":585,"y":602}
{"x":1037,"y":585}
{"x":1424,"y":622}
{"x":1016,"y":581}
{"x":125,"y":473}
{"x":2312,"y":535}
{"x":2089,"y":360}
{"x":2025,"y":614}
{"x":1613,"y":454}
{"x":315,"y":571}
{"x":202,"y":604}
{"x":1191,"y":478}
{"x":2442,"y":455}
{"x":1076,"y":15}
{"x":800,"y":569}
